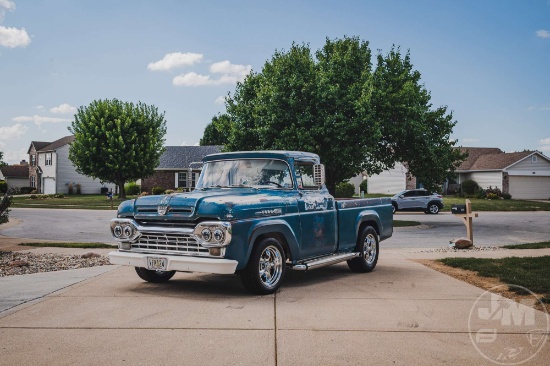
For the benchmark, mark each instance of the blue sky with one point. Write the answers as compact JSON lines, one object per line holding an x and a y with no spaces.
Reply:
{"x":487,"y":60}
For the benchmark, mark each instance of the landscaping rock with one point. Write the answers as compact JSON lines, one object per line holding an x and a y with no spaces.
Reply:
{"x":90,"y":255}
{"x":462,"y":243}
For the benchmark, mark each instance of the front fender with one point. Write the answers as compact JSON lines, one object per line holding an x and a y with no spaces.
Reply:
{"x":274,"y":226}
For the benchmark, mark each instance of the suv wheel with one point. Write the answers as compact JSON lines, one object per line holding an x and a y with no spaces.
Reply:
{"x":433,"y":208}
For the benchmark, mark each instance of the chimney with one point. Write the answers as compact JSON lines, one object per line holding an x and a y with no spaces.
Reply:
{"x":23,"y":162}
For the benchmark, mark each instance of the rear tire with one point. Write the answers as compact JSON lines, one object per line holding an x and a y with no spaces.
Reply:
{"x":266,"y":268}
{"x":154,"y":276}
{"x":368,"y":246}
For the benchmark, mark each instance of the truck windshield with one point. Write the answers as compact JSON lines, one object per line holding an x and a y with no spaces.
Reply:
{"x":245,"y":173}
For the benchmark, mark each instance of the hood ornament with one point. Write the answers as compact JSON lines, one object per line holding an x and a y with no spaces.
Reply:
{"x":163,"y":205}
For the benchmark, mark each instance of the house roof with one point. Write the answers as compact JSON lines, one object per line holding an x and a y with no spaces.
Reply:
{"x":179,"y":157}
{"x":15,"y":171}
{"x":56,"y":144}
{"x":37,"y":145}
{"x":483,"y":158}
{"x":474,"y":153}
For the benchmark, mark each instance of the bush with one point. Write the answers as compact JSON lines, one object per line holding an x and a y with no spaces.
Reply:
{"x":469,"y":186}
{"x":169,"y":191}
{"x":59,"y":196}
{"x":5,"y":209}
{"x":78,"y":188}
{"x":132,"y":189}
{"x":363,"y":186}
{"x":158,"y":190}
{"x":507,"y":196}
{"x":345,"y":190}
{"x":492,"y":196}
{"x":3,"y":186}
{"x":33,"y":196}
{"x":26,"y":190}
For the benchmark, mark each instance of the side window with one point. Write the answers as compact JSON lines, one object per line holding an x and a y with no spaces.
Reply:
{"x":423,"y":193}
{"x":304,"y":176}
{"x":410,"y":194}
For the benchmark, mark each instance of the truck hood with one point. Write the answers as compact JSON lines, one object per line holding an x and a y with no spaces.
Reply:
{"x":220,"y":204}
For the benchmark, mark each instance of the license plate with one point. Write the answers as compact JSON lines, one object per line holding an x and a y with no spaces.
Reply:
{"x":156,"y":264}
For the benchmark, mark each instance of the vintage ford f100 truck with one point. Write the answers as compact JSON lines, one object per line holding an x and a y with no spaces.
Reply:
{"x":256,"y":214}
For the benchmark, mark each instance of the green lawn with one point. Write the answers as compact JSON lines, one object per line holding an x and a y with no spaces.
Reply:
{"x":84,"y":201}
{"x":497,"y":205}
{"x":541,"y":245}
{"x":532,"y":273}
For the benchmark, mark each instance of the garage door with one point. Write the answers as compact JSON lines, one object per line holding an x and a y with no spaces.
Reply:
{"x":530,"y":187}
{"x":49,"y":186}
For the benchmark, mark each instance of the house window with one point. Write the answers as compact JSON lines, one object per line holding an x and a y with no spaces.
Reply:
{"x":33,"y":160}
{"x":182,"y":180}
{"x":49,"y":159}
{"x":33,"y":181}
{"x":533,"y":159}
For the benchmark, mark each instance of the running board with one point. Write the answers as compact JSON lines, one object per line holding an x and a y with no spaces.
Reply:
{"x":324,"y":261}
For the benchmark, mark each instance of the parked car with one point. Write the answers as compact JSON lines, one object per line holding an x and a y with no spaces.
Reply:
{"x":417,"y":200}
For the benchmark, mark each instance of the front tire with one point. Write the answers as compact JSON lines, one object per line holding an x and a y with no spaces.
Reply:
{"x":368,"y":246}
{"x":433,"y":208}
{"x":394,"y":207}
{"x":266,"y":268}
{"x":154,"y":276}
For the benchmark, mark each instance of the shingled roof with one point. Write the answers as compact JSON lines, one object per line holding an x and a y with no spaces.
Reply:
{"x":179,"y":157}
{"x":56,"y":144}
{"x":15,"y":171}
{"x":482,"y":158}
{"x":38,"y":145}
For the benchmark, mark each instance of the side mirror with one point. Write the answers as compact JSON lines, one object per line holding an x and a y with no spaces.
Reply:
{"x":319,"y":174}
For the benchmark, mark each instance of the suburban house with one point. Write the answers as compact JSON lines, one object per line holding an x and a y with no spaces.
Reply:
{"x":16,"y":176}
{"x":173,"y":169}
{"x":524,"y":175}
{"x":51,"y":172}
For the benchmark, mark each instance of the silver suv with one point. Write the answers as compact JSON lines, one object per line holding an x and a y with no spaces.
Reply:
{"x":417,"y":200}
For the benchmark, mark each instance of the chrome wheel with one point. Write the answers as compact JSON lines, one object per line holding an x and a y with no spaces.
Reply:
{"x":369,"y":248}
{"x":270,"y":266}
{"x":434,"y":209}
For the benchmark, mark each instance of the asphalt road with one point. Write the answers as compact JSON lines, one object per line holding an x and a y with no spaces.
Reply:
{"x":490,"y":228}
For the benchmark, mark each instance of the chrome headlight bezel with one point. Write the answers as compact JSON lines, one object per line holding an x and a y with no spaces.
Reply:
{"x":219,"y":234}
{"x":124,"y":230}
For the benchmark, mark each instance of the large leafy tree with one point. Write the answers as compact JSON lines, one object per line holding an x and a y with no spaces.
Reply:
{"x":2,"y":163}
{"x":117,"y":141}
{"x":217,"y":131}
{"x":355,"y":117}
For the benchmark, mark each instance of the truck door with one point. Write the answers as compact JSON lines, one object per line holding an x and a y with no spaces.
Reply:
{"x":317,"y":215}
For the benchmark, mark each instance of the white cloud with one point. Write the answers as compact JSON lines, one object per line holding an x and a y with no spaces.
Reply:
{"x":543,"y":33}
{"x":468,"y":140}
{"x":220,"y":100}
{"x":231,"y":74}
{"x":545,"y":148}
{"x":63,"y":109}
{"x":545,"y":108}
{"x":174,"y":60}
{"x":13,"y":132}
{"x":15,"y":156}
{"x":545,"y":141}
{"x":40,"y":120}
{"x":41,"y":107}
{"x":6,"y":5}
{"x":13,"y":37}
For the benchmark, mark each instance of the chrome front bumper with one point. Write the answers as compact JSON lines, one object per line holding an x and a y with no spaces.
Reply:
{"x":176,"y":263}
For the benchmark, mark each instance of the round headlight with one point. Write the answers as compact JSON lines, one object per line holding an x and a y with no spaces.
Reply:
{"x":117,"y":231}
{"x":206,"y":234}
{"x":218,"y":235}
{"x":128,"y":231}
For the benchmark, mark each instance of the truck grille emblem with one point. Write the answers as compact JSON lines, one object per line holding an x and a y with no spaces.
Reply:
{"x":163,"y":206}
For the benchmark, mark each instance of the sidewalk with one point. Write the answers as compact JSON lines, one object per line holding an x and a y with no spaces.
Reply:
{"x":402,"y":313}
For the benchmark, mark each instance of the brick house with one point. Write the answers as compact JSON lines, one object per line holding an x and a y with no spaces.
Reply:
{"x":172,"y":170}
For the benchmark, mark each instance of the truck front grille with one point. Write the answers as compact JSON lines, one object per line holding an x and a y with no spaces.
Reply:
{"x":166,"y":243}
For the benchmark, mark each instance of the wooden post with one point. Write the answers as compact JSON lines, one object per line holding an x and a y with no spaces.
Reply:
{"x":467,"y":219}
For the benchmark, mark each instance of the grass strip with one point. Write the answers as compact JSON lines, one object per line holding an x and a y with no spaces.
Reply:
{"x":69,"y":245}
{"x":532,"y":273}
{"x":541,"y":245}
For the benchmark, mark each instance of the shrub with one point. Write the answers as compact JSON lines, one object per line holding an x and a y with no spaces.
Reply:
{"x":469,"y":186}
{"x":345,"y":190}
{"x":363,"y":186}
{"x":33,"y":196}
{"x":158,"y":190}
{"x":507,"y":196}
{"x":5,"y":209}
{"x":3,"y":186}
{"x":492,"y":196}
{"x":26,"y":190}
{"x":481,"y":194}
{"x":169,"y":191}
{"x":70,"y":191}
{"x":78,"y":188}
{"x":59,"y":196}
{"x":132,"y":189}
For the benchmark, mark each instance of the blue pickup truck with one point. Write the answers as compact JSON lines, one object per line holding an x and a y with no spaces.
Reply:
{"x":255,"y":214}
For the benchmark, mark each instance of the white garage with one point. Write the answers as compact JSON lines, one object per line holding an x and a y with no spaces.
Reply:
{"x":528,"y":187}
{"x":49,"y":186}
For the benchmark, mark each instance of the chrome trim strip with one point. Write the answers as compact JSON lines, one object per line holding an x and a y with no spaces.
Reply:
{"x":325,"y":261}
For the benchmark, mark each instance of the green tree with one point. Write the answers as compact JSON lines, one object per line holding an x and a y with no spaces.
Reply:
{"x":2,"y":163}
{"x":217,"y":131}
{"x":355,"y":118}
{"x":117,"y":141}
